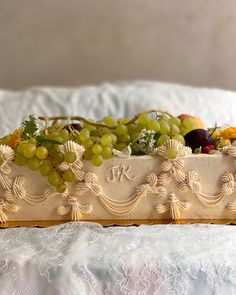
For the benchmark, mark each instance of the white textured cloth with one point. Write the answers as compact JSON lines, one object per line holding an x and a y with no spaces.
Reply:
{"x":85,"y":258}
{"x":120,"y":99}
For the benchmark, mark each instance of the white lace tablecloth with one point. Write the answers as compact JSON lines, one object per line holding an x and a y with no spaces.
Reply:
{"x":85,"y":258}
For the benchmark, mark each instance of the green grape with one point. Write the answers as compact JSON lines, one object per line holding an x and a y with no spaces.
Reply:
{"x":94,"y":133}
{"x":29,"y":150}
{"x":183,"y":130}
{"x":153,"y":125}
{"x":34,"y":163}
{"x":84,"y":134}
{"x":97,"y":148}
{"x":53,"y":133}
{"x":69,"y":157}
{"x":54,"y":178}
{"x":87,"y":143}
{"x":106,"y":140}
{"x":132,"y":128}
{"x":174,"y":120}
{"x":143,"y":118}
{"x":121,"y":129}
{"x":41,"y":153}
{"x":135,"y":148}
{"x":79,"y":141}
{"x":53,"y":151}
{"x":88,"y":154}
{"x":109,"y":121}
{"x":104,"y":131}
{"x":95,"y":139}
{"x":32,"y":140}
{"x":174,"y":129}
{"x":88,"y":126}
{"x":64,"y":133}
{"x":123,"y":120}
{"x":58,"y":157}
{"x":180,"y":138}
{"x":120,"y":146}
{"x":20,"y":160}
{"x":124,"y":137}
{"x":171,"y":153}
{"x":96,"y":160}
{"x":106,"y":152}
{"x":45,"y":168}
{"x":20,"y":148}
{"x":59,"y":139}
{"x":165,"y":117}
{"x":55,"y":125}
{"x":61,"y":187}
{"x":164,"y":127}
{"x":162,"y":139}
{"x":140,"y":127}
{"x":114,"y":138}
{"x":134,"y":136}
{"x":188,"y":123}
{"x":48,"y":145}
{"x":68,"y":175}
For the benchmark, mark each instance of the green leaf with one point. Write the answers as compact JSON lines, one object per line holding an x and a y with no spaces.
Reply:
{"x":198,"y":150}
{"x":41,"y":139}
{"x":29,"y":128}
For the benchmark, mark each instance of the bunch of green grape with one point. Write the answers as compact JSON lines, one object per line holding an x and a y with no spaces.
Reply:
{"x":99,"y":141}
{"x":98,"y":138}
{"x":45,"y":157}
{"x":166,"y":127}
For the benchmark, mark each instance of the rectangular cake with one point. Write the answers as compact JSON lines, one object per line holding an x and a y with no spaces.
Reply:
{"x":170,"y":182}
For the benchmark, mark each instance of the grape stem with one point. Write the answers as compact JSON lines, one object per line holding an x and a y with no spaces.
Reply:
{"x":69,"y":126}
{"x":76,"y":118}
{"x":46,"y":126}
{"x":79,"y":118}
{"x":215,"y":127}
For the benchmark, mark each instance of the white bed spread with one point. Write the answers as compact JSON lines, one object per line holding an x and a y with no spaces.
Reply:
{"x":85,"y":258}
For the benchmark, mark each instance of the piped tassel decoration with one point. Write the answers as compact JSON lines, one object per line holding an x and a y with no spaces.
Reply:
{"x":6,"y":207}
{"x":175,"y":206}
{"x":75,"y":209}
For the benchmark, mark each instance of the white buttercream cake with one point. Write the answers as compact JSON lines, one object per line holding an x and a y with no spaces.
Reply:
{"x":124,"y":187}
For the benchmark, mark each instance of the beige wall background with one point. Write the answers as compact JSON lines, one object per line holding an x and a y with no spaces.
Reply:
{"x":75,"y":42}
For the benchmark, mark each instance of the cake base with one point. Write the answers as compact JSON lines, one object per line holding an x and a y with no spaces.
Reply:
{"x":105,"y":223}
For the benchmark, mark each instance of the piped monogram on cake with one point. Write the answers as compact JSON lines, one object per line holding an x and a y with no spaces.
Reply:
{"x":119,"y":173}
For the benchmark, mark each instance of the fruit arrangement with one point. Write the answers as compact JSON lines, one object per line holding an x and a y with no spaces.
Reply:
{"x":38,"y":148}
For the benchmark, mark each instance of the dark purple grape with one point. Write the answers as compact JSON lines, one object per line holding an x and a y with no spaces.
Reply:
{"x":198,"y":138}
